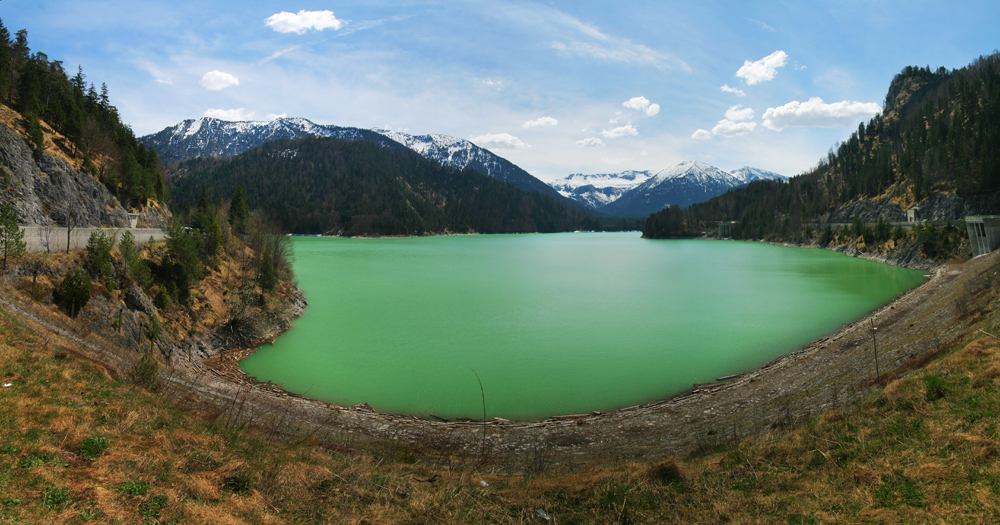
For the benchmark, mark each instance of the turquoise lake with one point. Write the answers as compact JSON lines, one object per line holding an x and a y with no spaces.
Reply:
{"x":553,"y":324}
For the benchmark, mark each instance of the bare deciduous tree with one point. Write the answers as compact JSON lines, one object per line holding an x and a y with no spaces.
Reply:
{"x":45,"y":234}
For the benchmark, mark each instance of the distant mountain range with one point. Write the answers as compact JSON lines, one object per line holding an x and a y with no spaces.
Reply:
{"x":356,"y":187}
{"x":211,"y":137}
{"x":625,"y":194}
{"x":640,"y":193}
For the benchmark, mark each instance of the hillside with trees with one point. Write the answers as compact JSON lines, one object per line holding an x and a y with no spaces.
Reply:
{"x":326,"y":185}
{"x":42,"y":91}
{"x":937,"y":140}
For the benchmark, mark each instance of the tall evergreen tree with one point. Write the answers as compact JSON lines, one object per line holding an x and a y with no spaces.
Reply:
{"x":11,"y":235}
{"x":239,"y":212}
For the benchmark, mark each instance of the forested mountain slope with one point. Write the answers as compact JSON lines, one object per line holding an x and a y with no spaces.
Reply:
{"x":328,"y":185}
{"x":936,"y":144}
{"x":211,"y":137}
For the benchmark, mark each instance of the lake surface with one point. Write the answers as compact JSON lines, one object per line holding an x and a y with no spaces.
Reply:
{"x":553,"y":324}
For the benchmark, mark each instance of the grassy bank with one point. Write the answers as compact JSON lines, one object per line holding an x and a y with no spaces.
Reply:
{"x":79,"y":445}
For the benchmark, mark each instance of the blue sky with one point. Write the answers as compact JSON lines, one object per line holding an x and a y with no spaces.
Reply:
{"x":556,"y":87}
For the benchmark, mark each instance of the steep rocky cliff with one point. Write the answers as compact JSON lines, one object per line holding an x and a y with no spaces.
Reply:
{"x":50,"y":189}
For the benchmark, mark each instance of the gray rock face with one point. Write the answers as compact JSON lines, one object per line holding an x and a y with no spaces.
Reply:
{"x":136,"y":299}
{"x":869,"y":212}
{"x":938,"y":207}
{"x":51,"y":190}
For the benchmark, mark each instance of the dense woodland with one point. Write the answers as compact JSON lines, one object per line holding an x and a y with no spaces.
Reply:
{"x":325,"y":185}
{"x":939,"y":132}
{"x":41,"y":89}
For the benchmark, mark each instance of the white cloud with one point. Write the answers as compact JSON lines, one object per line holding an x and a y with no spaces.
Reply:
{"x":540,"y":122}
{"x":728,"y":128}
{"x":642,"y":104}
{"x":816,"y":114}
{"x":500,"y":141}
{"x":299,"y":23}
{"x":272,"y":116}
{"x":232,"y":115}
{"x":737,"y":92}
{"x":164,"y":81}
{"x":216,"y":80}
{"x":762,"y":70}
{"x":738,"y":113}
{"x":701,"y":134}
{"x":590,"y":142}
{"x":621,"y":131}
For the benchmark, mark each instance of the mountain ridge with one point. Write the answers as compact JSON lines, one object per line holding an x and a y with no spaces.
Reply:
{"x":212,"y":137}
{"x":638,"y":193}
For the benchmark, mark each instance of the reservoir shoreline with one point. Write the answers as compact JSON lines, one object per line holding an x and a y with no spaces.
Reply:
{"x":829,"y":372}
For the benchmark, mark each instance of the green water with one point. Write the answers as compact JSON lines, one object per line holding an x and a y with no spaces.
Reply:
{"x":553,"y":324}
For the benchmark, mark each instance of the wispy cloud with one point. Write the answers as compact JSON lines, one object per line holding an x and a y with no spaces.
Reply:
{"x":590,"y":142}
{"x":738,"y":92}
{"x":762,"y":70}
{"x":572,"y":37}
{"x":622,"y":52}
{"x":762,"y":25}
{"x":303,"y":21}
{"x":490,"y":83}
{"x":216,"y":80}
{"x":500,"y":141}
{"x":368,"y":24}
{"x":540,"y":122}
{"x":642,"y":104}
{"x":277,"y":54}
{"x":229,"y":114}
{"x":621,"y":131}
{"x":815,"y":113}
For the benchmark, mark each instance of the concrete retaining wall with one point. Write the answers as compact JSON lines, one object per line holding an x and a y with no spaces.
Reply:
{"x":35,"y":237}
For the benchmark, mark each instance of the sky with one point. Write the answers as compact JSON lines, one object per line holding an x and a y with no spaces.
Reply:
{"x":555,"y":87}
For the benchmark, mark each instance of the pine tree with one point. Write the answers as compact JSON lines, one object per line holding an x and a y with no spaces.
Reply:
{"x":238,"y":211}
{"x":11,"y":235}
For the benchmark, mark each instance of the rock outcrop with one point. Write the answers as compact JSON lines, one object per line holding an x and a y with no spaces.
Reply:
{"x":49,"y":189}
{"x":938,"y":207}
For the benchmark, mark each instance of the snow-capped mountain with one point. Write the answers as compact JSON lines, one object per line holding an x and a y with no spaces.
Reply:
{"x":748,"y":175}
{"x":211,"y":137}
{"x":639,"y":193}
{"x":461,"y":154}
{"x":597,"y":191}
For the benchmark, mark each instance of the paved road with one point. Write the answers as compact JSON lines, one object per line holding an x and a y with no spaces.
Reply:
{"x":35,"y":237}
